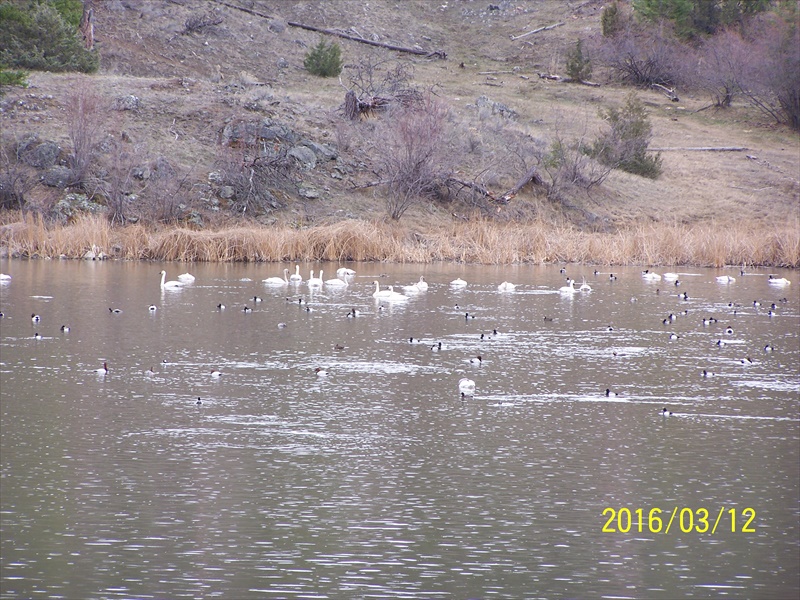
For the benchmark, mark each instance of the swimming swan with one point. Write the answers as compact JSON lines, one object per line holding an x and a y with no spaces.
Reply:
{"x":778,"y":280}
{"x":725,"y":279}
{"x":422,"y":284}
{"x":169,"y":285}
{"x":379,"y":293}
{"x":186,"y":278}
{"x":343,"y":272}
{"x":585,"y":287}
{"x":338,"y":282}
{"x":506,"y":287}
{"x":466,"y":387}
{"x":315,"y":281}
{"x":278,"y":280}
{"x":647,"y":275}
{"x":568,"y":289}
{"x":458,"y":283}
{"x":296,"y":277}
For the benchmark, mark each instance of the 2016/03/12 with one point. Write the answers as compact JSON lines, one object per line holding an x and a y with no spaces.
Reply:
{"x":688,"y":519}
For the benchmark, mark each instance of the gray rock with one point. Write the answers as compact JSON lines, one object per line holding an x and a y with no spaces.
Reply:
{"x":57,"y":176}
{"x":277,"y":25}
{"x":129,"y":102}
{"x":226,"y":192}
{"x":322,"y":151}
{"x":305,"y":156}
{"x":142,"y":173}
{"x":42,"y":156}
{"x":307,"y":191}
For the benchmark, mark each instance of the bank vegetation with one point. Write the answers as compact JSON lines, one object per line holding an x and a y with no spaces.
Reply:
{"x":484,"y":242}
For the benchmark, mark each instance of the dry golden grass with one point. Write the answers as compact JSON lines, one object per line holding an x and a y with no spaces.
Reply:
{"x":482,"y":242}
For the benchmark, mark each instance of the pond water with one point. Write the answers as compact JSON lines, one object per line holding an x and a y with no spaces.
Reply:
{"x":380,"y":480}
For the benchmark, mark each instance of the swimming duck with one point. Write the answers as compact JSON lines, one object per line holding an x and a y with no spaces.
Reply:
{"x":35,"y":318}
{"x":65,"y":328}
{"x":321,"y":372}
{"x":768,"y":348}
{"x":215,"y":374}
{"x":665,"y":412}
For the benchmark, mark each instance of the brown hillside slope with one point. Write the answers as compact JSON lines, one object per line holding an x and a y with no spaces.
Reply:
{"x":248,"y":66}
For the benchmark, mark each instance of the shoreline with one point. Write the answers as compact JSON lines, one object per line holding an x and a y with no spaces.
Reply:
{"x":478,"y":242}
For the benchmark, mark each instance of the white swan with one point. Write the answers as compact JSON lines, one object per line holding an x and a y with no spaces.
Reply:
{"x":379,"y":293}
{"x":296,"y":277}
{"x":466,"y":387}
{"x":458,"y":283}
{"x":338,"y":282}
{"x":315,"y":281}
{"x":647,"y":275}
{"x":725,"y":279}
{"x":394,"y":296}
{"x":169,"y":285}
{"x":585,"y":287}
{"x":422,"y":284}
{"x":278,"y":280}
{"x":343,"y":272}
{"x":568,"y":289}
{"x":778,"y":280}
{"x":412,"y":289}
{"x":670,"y":277}
{"x":186,"y":278}
{"x":506,"y":287}
{"x":4,"y":277}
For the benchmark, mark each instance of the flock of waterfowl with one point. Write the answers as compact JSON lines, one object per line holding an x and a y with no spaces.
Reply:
{"x":466,"y":386}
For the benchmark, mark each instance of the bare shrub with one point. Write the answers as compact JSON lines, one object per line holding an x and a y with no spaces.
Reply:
{"x":771,"y":76}
{"x":642,"y":55}
{"x":115,"y":183}
{"x":720,"y":66}
{"x":375,"y":84}
{"x":253,"y":179}
{"x":16,"y":179}
{"x":86,"y":117}
{"x":197,"y":23}
{"x":570,"y":167}
{"x":411,"y":150}
{"x":167,"y":196}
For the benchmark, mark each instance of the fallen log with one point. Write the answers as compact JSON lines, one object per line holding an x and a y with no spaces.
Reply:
{"x":546,"y":28}
{"x":418,"y":51}
{"x":700,"y":149}
{"x":473,"y":186}
{"x":531,"y":175}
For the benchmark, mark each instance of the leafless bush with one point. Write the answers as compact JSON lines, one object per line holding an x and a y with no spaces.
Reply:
{"x":412,"y":153}
{"x":376,"y":76}
{"x":86,"y":116}
{"x":720,"y":66}
{"x":643,"y":55}
{"x":569,"y":167}
{"x":771,"y":77}
{"x":16,"y":179}
{"x":197,"y":23}
{"x":376,"y":84}
{"x":253,"y":179}
{"x":115,"y":183}
{"x":167,"y":196}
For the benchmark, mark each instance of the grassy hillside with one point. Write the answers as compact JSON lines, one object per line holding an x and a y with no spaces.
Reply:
{"x":243,"y":66}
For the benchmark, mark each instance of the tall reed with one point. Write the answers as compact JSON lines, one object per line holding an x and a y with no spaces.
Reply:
{"x":485,"y":242}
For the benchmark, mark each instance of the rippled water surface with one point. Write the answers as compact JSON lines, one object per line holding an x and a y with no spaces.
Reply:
{"x":380,"y":480}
